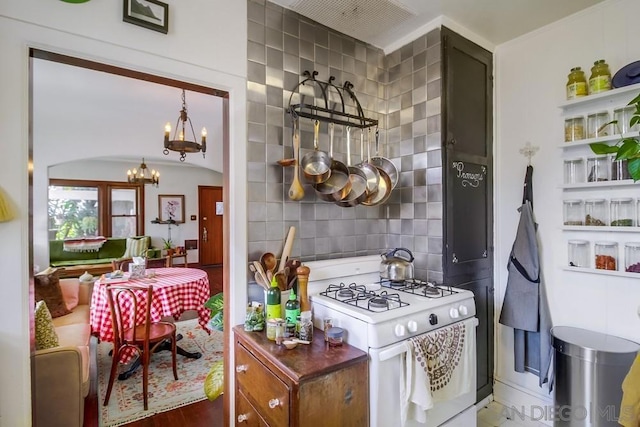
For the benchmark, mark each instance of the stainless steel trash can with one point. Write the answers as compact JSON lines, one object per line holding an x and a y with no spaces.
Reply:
{"x":589,"y":370}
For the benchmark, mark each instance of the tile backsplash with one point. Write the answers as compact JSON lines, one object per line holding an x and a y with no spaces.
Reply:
{"x":401,"y":90}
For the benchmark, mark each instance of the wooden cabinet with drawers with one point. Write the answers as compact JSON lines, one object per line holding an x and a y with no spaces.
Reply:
{"x":310,"y":385}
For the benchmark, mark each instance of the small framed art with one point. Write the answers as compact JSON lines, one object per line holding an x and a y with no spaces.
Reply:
{"x":171,"y":208}
{"x":151,"y":14}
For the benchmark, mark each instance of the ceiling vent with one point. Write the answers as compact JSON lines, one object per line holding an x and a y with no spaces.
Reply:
{"x":360,"y":19}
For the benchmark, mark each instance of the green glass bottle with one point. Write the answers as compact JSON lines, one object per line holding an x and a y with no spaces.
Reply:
{"x":292,"y":308}
{"x":274,"y":304}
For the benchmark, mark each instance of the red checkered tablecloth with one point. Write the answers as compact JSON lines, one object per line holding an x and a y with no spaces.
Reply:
{"x":174,"y":291}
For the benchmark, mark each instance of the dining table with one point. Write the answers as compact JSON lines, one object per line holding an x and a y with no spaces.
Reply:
{"x":175,"y":290}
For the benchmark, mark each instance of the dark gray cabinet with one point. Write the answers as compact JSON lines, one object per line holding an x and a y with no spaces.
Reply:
{"x":467,"y":137}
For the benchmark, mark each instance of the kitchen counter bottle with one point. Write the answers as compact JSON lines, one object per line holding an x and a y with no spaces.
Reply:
{"x":600,"y":79}
{"x":274,"y":304}
{"x":577,"y":84}
{"x":292,"y":308}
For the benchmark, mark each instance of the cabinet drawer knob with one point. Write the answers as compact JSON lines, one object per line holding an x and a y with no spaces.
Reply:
{"x":273,"y":403}
{"x":242,"y":418}
{"x":241,"y":368}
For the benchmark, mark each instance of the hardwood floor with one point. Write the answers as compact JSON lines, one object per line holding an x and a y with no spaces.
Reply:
{"x":204,"y":413}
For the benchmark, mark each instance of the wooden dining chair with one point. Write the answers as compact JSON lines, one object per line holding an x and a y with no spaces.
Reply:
{"x":123,"y":264}
{"x":133,"y":330}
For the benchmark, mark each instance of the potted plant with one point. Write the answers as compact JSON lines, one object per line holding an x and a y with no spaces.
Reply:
{"x":216,"y":305}
{"x":627,"y":148}
{"x":168,"y":246}
{"x":214,"y":383}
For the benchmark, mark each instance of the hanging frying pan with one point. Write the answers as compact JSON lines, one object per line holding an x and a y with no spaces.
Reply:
{"x":358,"y":180}
{"x":338,"y":185}
{"x":316,"y":165}
{"x":370,"y":171}
{"x":385,"y":164}
{"x":384,"y":183}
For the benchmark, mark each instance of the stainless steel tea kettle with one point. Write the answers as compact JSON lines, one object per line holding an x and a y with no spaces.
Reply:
{"x":396,"y":268}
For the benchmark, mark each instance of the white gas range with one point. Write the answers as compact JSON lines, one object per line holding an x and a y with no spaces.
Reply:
{"x":379,"y":317}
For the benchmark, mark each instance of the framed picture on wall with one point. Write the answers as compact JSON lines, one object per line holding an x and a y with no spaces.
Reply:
{"x":171,"y":207}
{"x":151,"y":14}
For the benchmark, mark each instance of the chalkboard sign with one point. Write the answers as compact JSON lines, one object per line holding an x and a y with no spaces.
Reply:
{"x":469,"y":186}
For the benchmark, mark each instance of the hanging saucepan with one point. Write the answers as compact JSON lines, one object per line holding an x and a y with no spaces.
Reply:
{"x":384,"y":183}
{"x":397,"y":268}
{"x":370,"y":171}
{"x":338,"y":185}
{"x":316,"y":165}
{"x":358,"y":180}
{"x":385,"y":164}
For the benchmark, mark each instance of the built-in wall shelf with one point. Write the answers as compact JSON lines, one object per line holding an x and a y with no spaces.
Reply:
{"x":602,"y":272}
{"x":600,"y":185}
{"x":602,"y":139}
{"x":581,"y":240}
{"x":596,"y":228}
{"x":631,"y":91}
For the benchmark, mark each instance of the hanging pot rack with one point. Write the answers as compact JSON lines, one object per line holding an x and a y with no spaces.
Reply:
{"x":332,"y":115}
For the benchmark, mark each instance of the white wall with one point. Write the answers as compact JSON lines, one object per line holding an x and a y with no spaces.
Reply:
{"x":175,"y":178}
{"x":206,"y":45}
{"x":531,"y":73}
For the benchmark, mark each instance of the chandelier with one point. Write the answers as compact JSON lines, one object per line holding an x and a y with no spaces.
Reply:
{"x":139,"y":176}
{"x":180,"y":143}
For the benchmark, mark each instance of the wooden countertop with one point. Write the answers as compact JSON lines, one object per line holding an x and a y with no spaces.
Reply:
{"x":304,"y":361}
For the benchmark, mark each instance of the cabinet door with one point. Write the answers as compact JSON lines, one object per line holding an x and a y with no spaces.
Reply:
{"x":483,"y":293}
{"x":339,"y":398}
{"x":468,"y":165}
{"x":468,"y":185}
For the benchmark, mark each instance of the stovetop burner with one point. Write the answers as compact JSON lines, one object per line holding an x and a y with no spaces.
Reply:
{"x":419,"y":287}
{"x":360,"y":296}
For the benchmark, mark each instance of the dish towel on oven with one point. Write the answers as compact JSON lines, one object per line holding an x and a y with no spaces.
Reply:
{"x":438,"y":366}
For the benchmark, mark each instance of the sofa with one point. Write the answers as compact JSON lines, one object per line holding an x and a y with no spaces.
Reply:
{"x":95,"y":262}
{"x":61,"y":373}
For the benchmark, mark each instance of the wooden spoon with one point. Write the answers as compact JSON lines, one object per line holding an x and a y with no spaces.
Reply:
{"x":296,"y":191}
{"x":269,"y":261}
{"x":286,"y":162}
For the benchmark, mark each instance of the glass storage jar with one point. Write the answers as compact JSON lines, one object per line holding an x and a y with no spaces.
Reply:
{"x":600,"y":79}
{"x":606,"y":255}
{"x":595,"y":211}
{"x":574,"y":129}
{"x":597,"y":124}
{"x":579,"y":253}
{"x":598,"y":168}
{"x":623,"y":117}
{"x":576,"y":84}
{"x":574,"y":171}
{"x":622,"y":212}
{"x":619,"y":169}
{"x":573,"y":212}
{"x":632,"y":257}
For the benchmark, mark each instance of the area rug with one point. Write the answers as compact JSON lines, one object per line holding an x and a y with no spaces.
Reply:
{"x":165,"y":393}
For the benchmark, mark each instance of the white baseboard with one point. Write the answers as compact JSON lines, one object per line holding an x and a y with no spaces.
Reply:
{"x":519,"y":402}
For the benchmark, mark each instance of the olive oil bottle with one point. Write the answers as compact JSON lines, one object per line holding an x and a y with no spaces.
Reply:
{"x":274,"y":304}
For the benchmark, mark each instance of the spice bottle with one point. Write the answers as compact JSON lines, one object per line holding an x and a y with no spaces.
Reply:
{"x":306,"y":326}
{"x":274,"y":304}
{"x":577,"y":84}
{"x":606,"y":255}
{"x":292,"y":308}
{"x":600,"y":79}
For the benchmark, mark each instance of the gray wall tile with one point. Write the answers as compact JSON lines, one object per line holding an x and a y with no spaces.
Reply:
{"x":401,"y":90}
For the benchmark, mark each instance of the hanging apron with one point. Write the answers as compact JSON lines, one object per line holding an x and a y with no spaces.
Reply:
{"x":525,"y":307}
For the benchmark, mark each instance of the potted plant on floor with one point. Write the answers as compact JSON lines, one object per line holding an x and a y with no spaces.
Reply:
{"x":215,"y":304}
{"x":627,"y":148}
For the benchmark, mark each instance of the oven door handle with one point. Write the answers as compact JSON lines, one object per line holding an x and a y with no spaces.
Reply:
{"x":394,"y":351}
{"x":402,"y":347}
